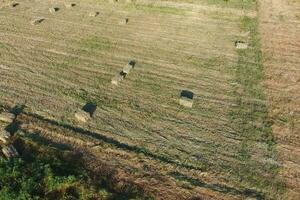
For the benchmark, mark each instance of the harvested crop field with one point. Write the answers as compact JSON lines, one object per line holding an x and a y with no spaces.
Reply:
{"x":221,"y":147}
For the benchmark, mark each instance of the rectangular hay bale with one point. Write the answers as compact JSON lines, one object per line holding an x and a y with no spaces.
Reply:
{"x":117,"y":79}
{"x":186,"y":102}
{"x":128,"y":67}
{"x":186,"y":98}
{"x":241,"y":45}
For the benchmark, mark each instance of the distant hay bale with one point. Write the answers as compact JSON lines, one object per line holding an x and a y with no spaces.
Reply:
{"x":124,"y":21}
{"x":14,"y":4}
{"x":113,"y":1}
{"x":10,"y":151}
{"x":128,"y":67}
{"x":82,"y":116}
{"x":186,"y":98}
{"x":53,"y":9}
{"x":241,"y":45}
{"x":37,"y":21}
{"x":70,"y":5}
{"x":7,"y":117}
{"x":4,"y":136}
{"x":94,"y":14}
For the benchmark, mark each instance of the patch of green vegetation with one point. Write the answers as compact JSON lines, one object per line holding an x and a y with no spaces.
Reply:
{"x":80,"y":95}
{"x":2,"y":45}
{"x":96,"y":44}
{"x":61,"y":65}
{"x":43,"y":174}
{"x":214,"y":63}
{"x":250,"y":118}
{"x":46,"y":173}
{"x":242,"y":4}
{"x":246,"y":4}
{"x":156,"y":9}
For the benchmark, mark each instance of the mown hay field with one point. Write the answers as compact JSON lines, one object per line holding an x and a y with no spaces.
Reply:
{"x":221,"y":148}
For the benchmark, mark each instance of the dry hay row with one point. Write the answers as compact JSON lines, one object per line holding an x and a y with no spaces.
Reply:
{"x":25,"y":70}
{"x":25,"y":93}
{"x":105,"y":121}
{"x":175,"y":108}
{"x":202,"y":47}
{"x":121,"y":15}
{"x":20,"y":96}
{"x":167,"y":81}
{"x":131,"y":27}
{"x":51,"y":62}
{"x":200,"y":6}
{"x":27,"y":75}
{"x":183,"y":39}
{"x":218,"y":135}
{"x":122,"y":49}
{"x":62,"y":59}
{"x":192,"y":5}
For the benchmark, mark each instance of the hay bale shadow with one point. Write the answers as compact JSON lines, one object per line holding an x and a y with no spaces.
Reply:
{"x":90,"y":108}
{"x":53,"y":10}
{"x":15,"y":125}
{"x":240,"y":44}
{"x":187,"y":94}
{"x":37,"y":21}
{"x":123,"y":74}
{"x":129,"y":66}
{"x":186,"y":98}
{"x":70,"y":5}
{"x":132,"y":63}
{"x":94,"y":14}
{"x":18,"y":109}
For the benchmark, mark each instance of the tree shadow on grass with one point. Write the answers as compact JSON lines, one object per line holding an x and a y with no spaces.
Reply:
{"x":114,"y":142}
{"x":218,"y":187}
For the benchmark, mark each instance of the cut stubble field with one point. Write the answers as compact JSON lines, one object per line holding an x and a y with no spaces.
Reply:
{"x":222,"y":148}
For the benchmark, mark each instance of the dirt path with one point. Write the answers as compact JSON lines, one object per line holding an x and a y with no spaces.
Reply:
{"x":279,"y":28}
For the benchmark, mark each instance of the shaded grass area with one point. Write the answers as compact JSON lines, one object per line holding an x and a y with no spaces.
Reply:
{"x":250,"y":117}
{"x":42,"y":172}
{"x":185,"y":181}
{"x":2,"y":45}
{"x":111,"y":141}
{"x":217,"y":187}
